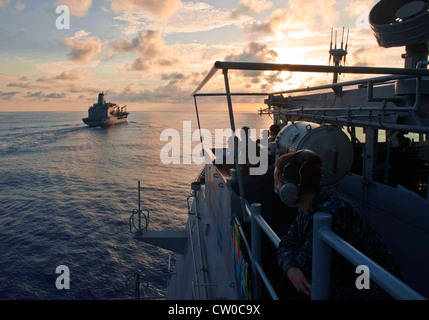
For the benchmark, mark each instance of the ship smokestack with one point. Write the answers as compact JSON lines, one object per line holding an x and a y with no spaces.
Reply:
{"x":101,"y":98}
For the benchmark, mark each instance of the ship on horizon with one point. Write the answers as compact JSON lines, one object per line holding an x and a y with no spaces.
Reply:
{"x":103,"y":114}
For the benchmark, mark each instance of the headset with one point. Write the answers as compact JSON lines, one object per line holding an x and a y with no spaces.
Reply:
{"x":289,"y":193}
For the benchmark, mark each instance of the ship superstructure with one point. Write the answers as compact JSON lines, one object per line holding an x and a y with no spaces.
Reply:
{"x":104,"y":113}
{"x":372,"y":135}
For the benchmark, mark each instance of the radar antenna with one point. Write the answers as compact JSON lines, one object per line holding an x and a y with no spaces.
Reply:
{"x":399,"y":23}
{"x":338,"y":55}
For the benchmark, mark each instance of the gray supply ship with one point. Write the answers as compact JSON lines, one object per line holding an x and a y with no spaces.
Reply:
{"x":373,"y":137}
{"x":104,"y":113}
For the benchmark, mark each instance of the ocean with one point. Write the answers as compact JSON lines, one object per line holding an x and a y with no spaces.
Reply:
{"x":67,"y":192}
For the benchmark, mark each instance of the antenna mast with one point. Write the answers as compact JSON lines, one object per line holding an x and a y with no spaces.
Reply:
{"x":339,"y":54}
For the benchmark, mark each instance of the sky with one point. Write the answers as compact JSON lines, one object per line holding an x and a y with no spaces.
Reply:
{"x":151,"y":55}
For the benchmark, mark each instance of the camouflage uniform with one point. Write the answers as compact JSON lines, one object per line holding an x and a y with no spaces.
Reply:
{"x":297,"y":245}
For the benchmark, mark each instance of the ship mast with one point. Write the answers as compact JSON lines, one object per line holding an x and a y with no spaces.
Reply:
{"x":338,"y":54}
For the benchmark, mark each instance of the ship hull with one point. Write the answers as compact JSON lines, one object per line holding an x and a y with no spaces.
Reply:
{"x":104,"y":122}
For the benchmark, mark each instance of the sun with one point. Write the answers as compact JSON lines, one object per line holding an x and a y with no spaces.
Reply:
{"x":298,"y":55}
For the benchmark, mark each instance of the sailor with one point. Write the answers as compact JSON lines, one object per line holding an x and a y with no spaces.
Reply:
{"x":297,"y":182}
{"x":243,"y":148}
{"x":274,"y":130}
{"x":242,"y":145}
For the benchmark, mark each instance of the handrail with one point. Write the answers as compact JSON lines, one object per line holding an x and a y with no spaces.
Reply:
{"x":371,"y":124}
{"x":268,"y":231}
{"x":274,"y":238}
{"x":226,"y":65}
{"x":232,"y":94}
{"x":266,"y":281}
{"x":248,"y":209}
{"x":346,"y":84}
{"x":317,"y":68}
{"x":211,"y":73}
{"x":257,"y":224}
{"x":324,"y":239}
{"x":196,"y":272}
{"x":256,"y":251}
{"x":200,"y":245}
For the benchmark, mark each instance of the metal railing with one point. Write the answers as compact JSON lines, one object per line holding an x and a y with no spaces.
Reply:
{"x":393,"y":74}
{"x":199,"y":271}
{"x":308,"y":113}
{"x":141,"y":214}
{"x":226,"y":65}
{"x":323,"y":240}
{"x":258,"y":224}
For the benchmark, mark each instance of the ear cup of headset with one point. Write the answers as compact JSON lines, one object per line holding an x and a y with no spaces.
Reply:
{"x":306,"y":157}
{"x":289,"y":193}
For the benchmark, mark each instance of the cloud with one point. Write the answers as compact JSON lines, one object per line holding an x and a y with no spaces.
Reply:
{"x":37,"y":95}
{"x":359,"y":11}
{"x":247,"y":80}
{"x":173,"y":76}
{"x":191,"y":17}
{"x":200,"y":57}
{"x":55,"y":96}
{"x":54,"y":67}
{"x":370,"y":56}
{"x":356,"y":8}
{"x":18,"y":5}
{"x":80,"y":35}
{"x":66,"y":76}
{"x":40,"y":95}
{"x":152,"y":50}
{"x":159,"y":9}
{"x":141,"y":64}
{"x":169,"y":93}
{"x":72,"y":76}
{"x":192,"y":78}
{"x":83,"y":89}
{"x":19,"y":84}
{"x":77,"y":8}
{"x":83,"y":48}
{"x":4,"y":3}
{"x":7,"y":95}
{"x":149,"y":43}
{"x":276,"y":21}
{"x":250,"y":7}
{"x":304,"y":17}
{"x":253,"y":52}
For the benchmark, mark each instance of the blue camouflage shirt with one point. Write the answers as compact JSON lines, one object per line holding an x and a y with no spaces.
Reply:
{"x":296,"y":246}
